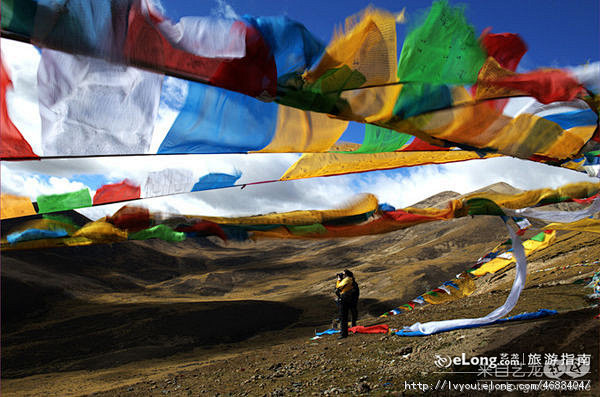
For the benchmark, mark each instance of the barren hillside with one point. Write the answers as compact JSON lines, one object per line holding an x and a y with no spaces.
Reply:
{"x":201,"y":316}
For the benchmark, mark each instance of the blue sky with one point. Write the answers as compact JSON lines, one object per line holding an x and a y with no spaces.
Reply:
{"x":558,"y":33}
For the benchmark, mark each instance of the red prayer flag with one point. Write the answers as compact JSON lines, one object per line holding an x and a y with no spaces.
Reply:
{"x":506,"y":48}
{"x":545,"y":85}
{"x":121,"y":191}
{"x":255,"y":74}
{"x":418,"y":145}
{"x":588,"y":200}
{"x":204,"y":228}
{"x":12,"y":143}
{"x":403,"y":216}
{"x":130,"y":218}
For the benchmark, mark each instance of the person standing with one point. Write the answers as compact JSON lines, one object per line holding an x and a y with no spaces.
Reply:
{"x":347,"y":292}
{"x":355,"y":293}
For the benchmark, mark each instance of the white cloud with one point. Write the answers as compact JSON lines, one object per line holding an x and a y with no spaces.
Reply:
{"x":256,"y":167}
{"x":400,"y":188}
{"x":33,"y":186}
{"x":158,"y":6}
{"x":405,"y":188}
{"x":224,"y":10}
{"x":319,"y":193}
{"x":174,"y":92}
{"x":588,"y":75}
{"x":165,"y":119}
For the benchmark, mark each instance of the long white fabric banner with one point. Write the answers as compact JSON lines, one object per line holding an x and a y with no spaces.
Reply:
{"x":556,"y":216}
{"x":518,"y":285}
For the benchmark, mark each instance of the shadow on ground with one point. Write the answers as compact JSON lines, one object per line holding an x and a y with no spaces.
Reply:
{"x":71,"y":334}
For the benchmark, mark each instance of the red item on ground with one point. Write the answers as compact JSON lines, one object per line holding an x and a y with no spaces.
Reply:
{"x":373,"y":329}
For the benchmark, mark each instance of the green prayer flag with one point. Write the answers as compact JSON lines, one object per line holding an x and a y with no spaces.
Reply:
{"x":65,"y":201}
{"x":482,"y":206}
{"x":162,"y":232}
{"x":18,"y":19}
{"x":324,"y":95}
{"x":442,"y":50}
{"x":60,"y":218}
{"x":539,"y":237}
{"x":419,"y":98}
{"x":7,"y":12}
{"x":553,"y":199}
{"x":379,"y":139}
{"x":590,"y":156}
{"x":315,"y":228}
{"x":335,"y":80}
